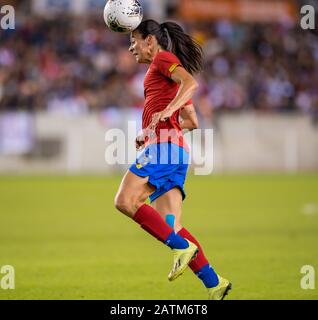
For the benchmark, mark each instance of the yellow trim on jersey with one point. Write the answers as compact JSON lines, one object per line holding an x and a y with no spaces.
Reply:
{"x":173,"y":67}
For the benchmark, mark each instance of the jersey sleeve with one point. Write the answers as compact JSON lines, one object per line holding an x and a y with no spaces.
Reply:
{"x":166,"y":63}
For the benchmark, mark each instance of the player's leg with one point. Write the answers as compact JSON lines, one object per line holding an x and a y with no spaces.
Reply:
{"x":171,"y":203}
{"x":132,"y":193}
{"x":130,"y":198}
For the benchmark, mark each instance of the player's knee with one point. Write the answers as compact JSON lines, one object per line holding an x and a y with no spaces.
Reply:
{"x":122,"y":203}
{"x":128,"y":204}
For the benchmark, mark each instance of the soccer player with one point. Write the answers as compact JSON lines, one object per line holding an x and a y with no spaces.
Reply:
{"x":159,"y":173}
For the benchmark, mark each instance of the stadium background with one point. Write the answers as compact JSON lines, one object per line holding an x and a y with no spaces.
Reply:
{"x":65,"y":80}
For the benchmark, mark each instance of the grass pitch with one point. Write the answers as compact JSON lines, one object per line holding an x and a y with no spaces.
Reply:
{"x":66,"y":240}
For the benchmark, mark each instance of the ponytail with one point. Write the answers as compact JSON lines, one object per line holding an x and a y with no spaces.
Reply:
{"x":171,"y":37}
{"x":184,"y":47}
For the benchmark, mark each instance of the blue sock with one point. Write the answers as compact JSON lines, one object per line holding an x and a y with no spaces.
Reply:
{"x":208,"y":276}
{"x":175,"y":241}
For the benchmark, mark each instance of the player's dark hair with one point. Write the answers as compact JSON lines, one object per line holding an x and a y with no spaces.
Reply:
{"x":171,"y":37}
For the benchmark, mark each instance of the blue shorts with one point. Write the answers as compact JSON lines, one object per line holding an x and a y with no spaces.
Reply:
{"x":165,"y":164}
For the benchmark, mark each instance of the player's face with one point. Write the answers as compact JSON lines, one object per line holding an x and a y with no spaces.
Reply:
{"x":139,"y":47}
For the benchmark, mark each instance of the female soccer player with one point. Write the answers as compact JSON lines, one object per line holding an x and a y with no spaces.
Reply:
{"x":159,"y":173}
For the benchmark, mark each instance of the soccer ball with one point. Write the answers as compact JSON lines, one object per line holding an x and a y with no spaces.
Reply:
{"x":123,"y":15}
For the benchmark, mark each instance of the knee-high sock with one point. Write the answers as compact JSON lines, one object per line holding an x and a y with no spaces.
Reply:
{"x":200,"y":261}
{"x":151,"y":221}
{"x":200,"y":265}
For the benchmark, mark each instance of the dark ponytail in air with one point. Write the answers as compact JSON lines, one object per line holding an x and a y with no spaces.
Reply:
{"x":171,"y":37}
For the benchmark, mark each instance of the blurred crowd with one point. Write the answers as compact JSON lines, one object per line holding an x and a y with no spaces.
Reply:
{"x":74,"y":65}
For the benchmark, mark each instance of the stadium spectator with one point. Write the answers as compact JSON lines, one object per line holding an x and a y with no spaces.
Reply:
{"x":78,"y":65}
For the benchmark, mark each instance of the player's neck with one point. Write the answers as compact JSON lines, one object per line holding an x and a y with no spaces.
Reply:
{"x":154,"y":53}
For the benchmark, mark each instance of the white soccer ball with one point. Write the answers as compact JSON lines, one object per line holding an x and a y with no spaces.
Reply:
{"x":123,"y":15}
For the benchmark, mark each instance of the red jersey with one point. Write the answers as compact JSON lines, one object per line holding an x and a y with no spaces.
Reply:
{"x":159,"y":91}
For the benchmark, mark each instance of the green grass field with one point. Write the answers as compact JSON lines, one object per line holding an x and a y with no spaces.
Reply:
{"x":66,"y":240}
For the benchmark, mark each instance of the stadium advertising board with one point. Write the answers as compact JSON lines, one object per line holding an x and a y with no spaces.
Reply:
{"x":260,"y":11}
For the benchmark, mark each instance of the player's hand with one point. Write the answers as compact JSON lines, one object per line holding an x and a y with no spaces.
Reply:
{"x":154,"y":120}
{"x":140,"y":142}
{"x":144,"y":136}
{"x":166,"y":114}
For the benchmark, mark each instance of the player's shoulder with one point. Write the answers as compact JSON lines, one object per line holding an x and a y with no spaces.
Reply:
{"x":165,"y":56}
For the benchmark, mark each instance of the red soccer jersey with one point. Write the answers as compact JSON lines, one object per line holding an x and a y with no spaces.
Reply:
{"x":160,"y":90}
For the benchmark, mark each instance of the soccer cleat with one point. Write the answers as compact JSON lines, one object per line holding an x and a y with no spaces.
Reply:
{"x":181,"y":260}
{"x":221,"y":290}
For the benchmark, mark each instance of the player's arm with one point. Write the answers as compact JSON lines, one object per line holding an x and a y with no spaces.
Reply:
{"x":187,"y":86}
{"x":188,"y":118}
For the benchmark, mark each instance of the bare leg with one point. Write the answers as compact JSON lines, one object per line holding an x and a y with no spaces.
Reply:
{"x":170,"y":203}
{"x":132,"y":193}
